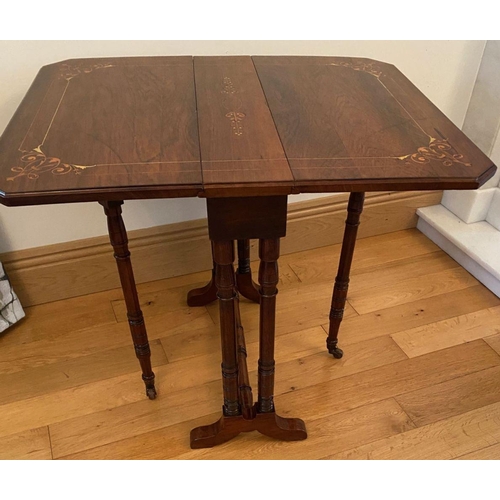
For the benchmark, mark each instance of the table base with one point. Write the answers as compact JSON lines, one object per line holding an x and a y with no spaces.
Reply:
{"x":269,"y":424}
{"x":246,"y":416}
{"x":242,"y":219}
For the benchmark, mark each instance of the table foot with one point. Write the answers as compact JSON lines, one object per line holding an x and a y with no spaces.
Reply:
{"x":150,"y":387}
{"x":335,"y":351}
{"x":244,"y":283}
{"x":246,"y":287}
{"x":269,"y":424}
{"x":199,"y":297}
{"x":151,"y":393}
{"x":207,"y":294}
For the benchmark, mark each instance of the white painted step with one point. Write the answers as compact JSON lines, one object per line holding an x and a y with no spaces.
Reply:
{"x":476,"y":246}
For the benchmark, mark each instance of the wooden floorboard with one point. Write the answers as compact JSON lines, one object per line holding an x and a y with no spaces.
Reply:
{"x":32,"y":444}
{"x":449,"y":332}
{"x":494,"y":342}
{"x":489,"y":453}
{"x":453,"y":397}
{"x":73,"y":372}
{"x":415,"y":314}
{"x":332,"y":432}
{"x":380,"y":294}
{"x":420,"y":377}
{"x":446,"y":439}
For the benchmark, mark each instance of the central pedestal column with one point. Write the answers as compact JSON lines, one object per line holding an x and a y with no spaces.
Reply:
{"x":230,"y":219}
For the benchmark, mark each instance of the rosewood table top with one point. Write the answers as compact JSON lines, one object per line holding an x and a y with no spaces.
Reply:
{"x":155,"y":127}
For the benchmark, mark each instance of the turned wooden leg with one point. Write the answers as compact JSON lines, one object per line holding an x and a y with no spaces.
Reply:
{"x":244,"y":283}
{"x":268,"y":279}
{"x":226,"y":293}
{"x":354,"y":209}
{"x":245,"y":389}
{"x":119,"y":241}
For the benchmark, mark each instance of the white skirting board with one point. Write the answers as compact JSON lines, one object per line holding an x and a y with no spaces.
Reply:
{"x":476,"y":246}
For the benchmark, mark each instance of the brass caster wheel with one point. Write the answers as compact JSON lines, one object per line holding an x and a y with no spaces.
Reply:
{"x":335,"y":351}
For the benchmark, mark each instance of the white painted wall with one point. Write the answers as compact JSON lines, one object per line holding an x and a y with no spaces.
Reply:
{"x":444,"y":71}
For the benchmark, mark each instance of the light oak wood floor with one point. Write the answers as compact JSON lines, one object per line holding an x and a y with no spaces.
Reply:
{"x":420,"y":378}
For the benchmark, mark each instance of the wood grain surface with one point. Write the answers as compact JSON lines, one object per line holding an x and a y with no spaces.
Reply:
{"x":155,"y":127}
{"x":238,"y":140}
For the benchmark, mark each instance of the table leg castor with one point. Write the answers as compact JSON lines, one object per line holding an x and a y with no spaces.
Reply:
{"x":269,"y":424}
{"x":150,"y":387}
{"x":335,"y":351}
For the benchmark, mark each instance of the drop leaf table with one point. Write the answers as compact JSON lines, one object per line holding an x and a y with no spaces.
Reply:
{"x":244,"y":133}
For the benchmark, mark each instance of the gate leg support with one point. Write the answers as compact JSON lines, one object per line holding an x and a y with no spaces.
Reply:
{"x":119,"y":241}
{"x":354,"y":209}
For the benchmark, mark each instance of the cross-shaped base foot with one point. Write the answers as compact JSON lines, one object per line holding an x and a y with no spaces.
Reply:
{"x":226,"y":428}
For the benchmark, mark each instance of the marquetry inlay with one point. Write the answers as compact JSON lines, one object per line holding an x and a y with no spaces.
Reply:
{"x":35,"y":163}
{"x":70,"y":71}
{"x":439,"y":150}
{"x":370,"y":68}
{"x":233,"y":103}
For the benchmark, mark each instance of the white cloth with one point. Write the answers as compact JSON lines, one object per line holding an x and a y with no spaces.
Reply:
{"x":11,"y":310}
